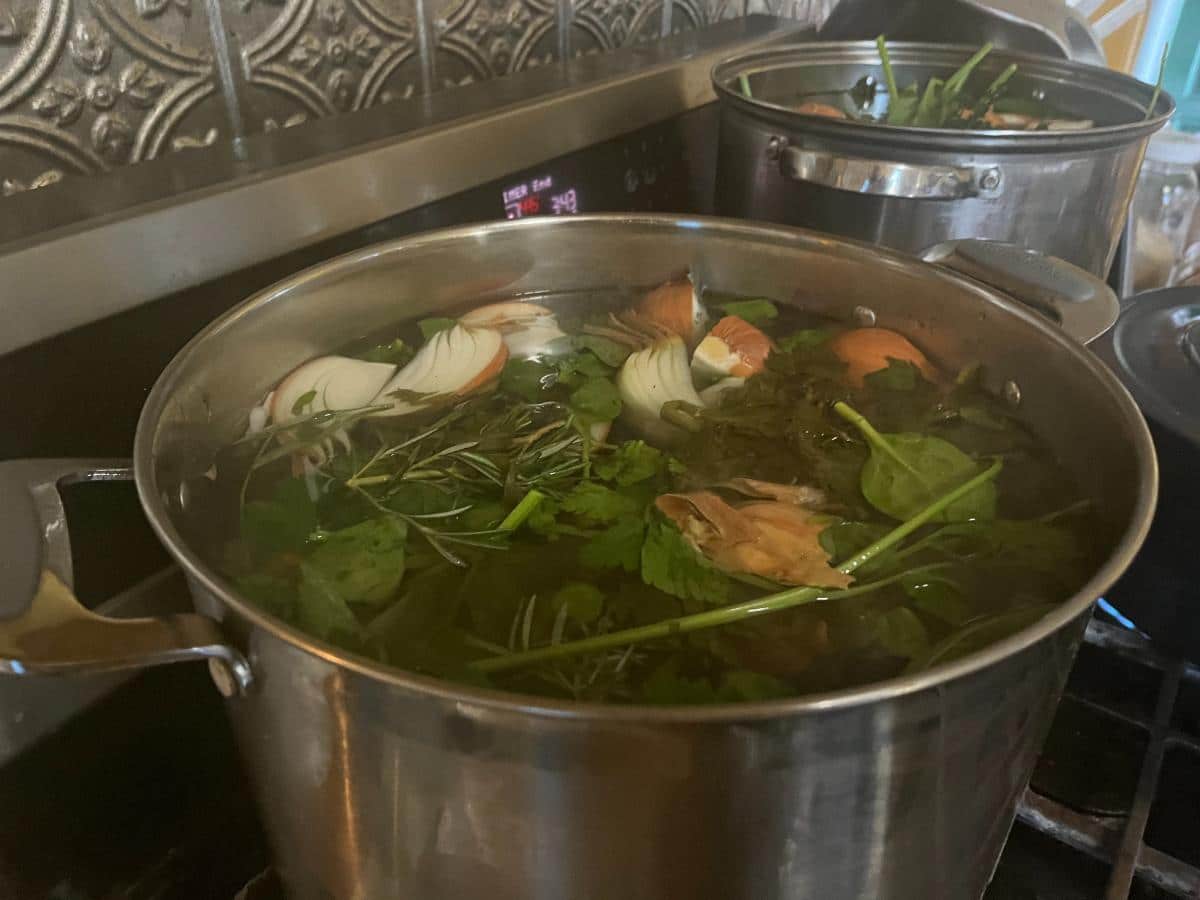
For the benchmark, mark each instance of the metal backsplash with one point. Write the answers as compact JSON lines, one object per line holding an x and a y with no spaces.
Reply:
{"x":88,"y":85}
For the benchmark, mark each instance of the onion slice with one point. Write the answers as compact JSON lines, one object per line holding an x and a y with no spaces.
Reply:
{"x":454,"y":362}
{"x":527,"y":328}
{"x":651,"y":377}
{"x":327,"y":383}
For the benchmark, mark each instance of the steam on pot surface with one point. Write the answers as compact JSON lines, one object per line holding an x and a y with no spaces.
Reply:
{"x":651,"y":496}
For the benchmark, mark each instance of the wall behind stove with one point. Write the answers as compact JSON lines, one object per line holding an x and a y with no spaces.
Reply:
{"x":88,"y":85}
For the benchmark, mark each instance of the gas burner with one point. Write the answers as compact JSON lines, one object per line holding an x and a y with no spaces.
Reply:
{"x":1119,"y":779}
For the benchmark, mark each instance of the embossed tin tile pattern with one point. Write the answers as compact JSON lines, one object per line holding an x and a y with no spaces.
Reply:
{"x":87,"y":85}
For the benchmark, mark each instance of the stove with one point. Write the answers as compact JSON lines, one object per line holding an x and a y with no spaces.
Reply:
{"x":130,"y":788}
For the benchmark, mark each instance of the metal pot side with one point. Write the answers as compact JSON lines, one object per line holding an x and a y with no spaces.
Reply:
{"x":374,"y":782}
{"x":1063,"y":193}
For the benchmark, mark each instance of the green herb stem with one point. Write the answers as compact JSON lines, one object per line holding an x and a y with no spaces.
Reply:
{"x":888,"y":75}
{"x":1162,"y":70}
{"x":874,"y":438}
{"x":782,"y":600}
{"x":744,"y":82}
{"x":725,"y":615}
{"x":522,"y":511}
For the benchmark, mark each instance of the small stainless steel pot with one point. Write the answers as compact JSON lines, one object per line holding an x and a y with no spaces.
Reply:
{"x":377,"y":783}
{"x":1063,"y":193}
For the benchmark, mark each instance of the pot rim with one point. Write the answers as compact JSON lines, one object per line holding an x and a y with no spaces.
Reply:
{"x":1070,"y":609}
{"x":904,"y":53}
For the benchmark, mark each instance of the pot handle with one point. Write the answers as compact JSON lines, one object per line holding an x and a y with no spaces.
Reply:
{"x":1080,"y":303}
{"x":883,"y":178}
{"x":44,"y":629}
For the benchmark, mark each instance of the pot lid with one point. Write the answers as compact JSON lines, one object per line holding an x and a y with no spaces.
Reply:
{"x":1155,"y":351}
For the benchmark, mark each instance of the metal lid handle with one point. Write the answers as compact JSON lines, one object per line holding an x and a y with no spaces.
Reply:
{"x":44,"y":629}
{"x":1079,"y":302}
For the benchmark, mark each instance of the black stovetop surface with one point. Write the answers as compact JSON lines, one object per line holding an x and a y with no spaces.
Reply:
{"x":142,"y":797}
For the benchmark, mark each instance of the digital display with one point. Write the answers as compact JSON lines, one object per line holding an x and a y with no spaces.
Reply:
{"x":540,"y":196}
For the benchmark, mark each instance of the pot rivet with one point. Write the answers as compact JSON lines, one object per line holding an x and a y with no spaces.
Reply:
{"x":1012,"y":394}
{"x":222,"y":678}
{"x":775,"y":148}
{"x":864,"y":317}
{"x":990,"y":180}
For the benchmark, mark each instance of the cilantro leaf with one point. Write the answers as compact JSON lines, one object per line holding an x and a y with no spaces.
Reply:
{"x":543,"y":520}
{"x":630,"y":463}
{"x":584,"y":602}
{"x":284,"y":522}
{"x":665,"y":686}
{"x":756,"y":312}
{"x":528,"y":379}
{"x":619,"y":546}
{"x":576,"y":369}
{"x":596,"y":400}
{"x":599,"y":505}
{"x":363,"y":563}
{"x":431,"y":326}
{"x":670,"y":564}
{"x":607,"y":351}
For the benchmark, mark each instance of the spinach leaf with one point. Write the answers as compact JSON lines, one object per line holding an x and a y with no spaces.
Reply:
{"x":321,"y":610}
{"x":756,"y":312}
{"x":618,"y":547}
{"x":804,"y":338}
{"x":364,"y":563}
{"x":596,"y":400}
{"x":599,"y":505}
{"x":939,"y":596}
{"x":1030,"y":544}
{"x":273,"y":594}
{"x":672,"y":565}
{"x":906,"y":472}
{"x":842,"y":540}
{"x":283,"y":523}
{"x":744,"y":686}
{"x":901,"y":633}
{"x":435,"y":324}
{"x":900,"y":375}
{"x":631,"y":462}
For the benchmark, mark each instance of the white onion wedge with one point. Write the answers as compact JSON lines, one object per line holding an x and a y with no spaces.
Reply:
{"x":528,"y":329}
{"x":711,"y":395}
{"x":651,"y":377}
{"x":454,"y":362}
{"x":327,"y":383}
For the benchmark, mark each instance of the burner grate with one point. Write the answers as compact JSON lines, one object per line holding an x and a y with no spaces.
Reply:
{"x":1124,"y":841}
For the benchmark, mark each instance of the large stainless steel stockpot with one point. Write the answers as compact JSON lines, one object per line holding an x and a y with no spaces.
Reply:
{"x":1063,"y":193}
{"x":375,"y":783}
